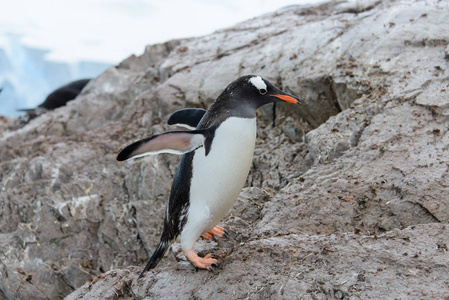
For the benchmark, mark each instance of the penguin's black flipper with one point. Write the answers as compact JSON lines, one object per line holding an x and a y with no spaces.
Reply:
{"x":188,"y":117}
{"x":158,"y":254}
{"x":175,"y":142}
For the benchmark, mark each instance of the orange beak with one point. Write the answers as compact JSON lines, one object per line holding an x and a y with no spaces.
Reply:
{"x":287,"y":98}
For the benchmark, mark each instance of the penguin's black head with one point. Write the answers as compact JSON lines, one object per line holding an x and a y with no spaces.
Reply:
{"x":253,"y":91}
{"x":242,"y":98}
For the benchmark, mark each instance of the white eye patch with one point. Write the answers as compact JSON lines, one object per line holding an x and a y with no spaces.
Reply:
{"x":258,"y":82}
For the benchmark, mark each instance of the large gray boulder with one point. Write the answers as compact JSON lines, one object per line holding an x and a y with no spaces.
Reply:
{"x":347,"y":197}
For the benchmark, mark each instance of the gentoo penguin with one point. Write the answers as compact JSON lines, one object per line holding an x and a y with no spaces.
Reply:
{"x":216,"y":159}
{"x":61,"y":95}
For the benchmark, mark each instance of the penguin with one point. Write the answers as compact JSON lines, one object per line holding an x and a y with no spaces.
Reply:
{"x":64,"y":94}
{"x":216,"y":159}
{"x":61,"y":96}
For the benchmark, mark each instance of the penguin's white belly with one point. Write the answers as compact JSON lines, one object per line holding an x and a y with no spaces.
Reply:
{"x":218,"y":178}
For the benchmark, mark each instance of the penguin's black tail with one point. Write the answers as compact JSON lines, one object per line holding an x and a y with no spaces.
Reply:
{"x":158,"y":254}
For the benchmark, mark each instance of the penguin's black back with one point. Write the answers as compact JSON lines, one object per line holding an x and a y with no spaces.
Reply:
{"x":64,"y":94}
{"x":77,"y":84}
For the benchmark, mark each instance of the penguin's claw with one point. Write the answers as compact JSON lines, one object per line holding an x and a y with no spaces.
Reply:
{"x":201,"y":262}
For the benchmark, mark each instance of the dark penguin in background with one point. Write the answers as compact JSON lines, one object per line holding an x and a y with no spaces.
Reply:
{"x":64,"y":94}
{"x":61,"y":95}
{"x":216,"y":159}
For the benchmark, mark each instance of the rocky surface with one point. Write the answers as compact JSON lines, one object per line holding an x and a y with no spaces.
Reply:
{"x":347,"y":197}
{"x":405,"y":264}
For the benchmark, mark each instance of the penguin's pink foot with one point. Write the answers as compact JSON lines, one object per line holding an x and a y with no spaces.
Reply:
{"x":207,"y":236}
{"x":201,"y":262}
{"x":216,"y":231}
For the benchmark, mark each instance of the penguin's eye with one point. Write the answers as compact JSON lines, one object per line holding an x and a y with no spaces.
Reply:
{"x":262,"y":91}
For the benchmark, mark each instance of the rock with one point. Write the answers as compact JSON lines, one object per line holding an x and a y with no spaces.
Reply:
{"x":346,"y":197}
{"x":341,"y":265}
